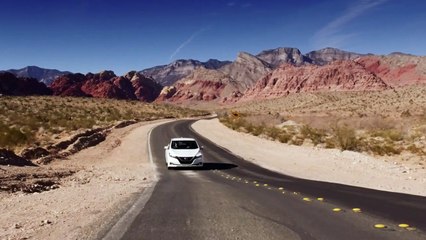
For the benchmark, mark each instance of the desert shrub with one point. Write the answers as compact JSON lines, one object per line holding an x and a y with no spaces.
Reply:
{"x":284,"y":137}
{"x":297,"y":140}
{"x":317,"y":136}
{"x":11,"y":137}
{"x":379,"y":147}
{"x":330,"y":142}
{"x":390,"y":134}
{"x":258,"y":130}
{"x":345,"y":138}
{"x":416,"y":150}
{"x":272,"y":132}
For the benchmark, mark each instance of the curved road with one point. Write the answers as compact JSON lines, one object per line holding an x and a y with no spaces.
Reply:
{"x":231,"y":198}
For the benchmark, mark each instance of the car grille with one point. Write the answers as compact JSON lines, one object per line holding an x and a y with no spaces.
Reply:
{"x":185,"y":160}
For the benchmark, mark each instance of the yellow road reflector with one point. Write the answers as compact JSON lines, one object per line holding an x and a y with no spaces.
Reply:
{"x":283,"y":192}
{"x":379,"y":225}
{"x":246,"y":182}
{"x":411,"y":228}
{"x":269,"y":188}
{"x":280,"y":188}
{"x":265,"y":185}
{"x":320,"y":199}
{"x":295,"y":193}
{"x":257,"y":185}
{"x":356,"y":210}
{"x":254,"y":181}
{"x":239,"y":179}
{"x":306,"y":199}
{"x":403,"y":225}
{"x":337,"y":209}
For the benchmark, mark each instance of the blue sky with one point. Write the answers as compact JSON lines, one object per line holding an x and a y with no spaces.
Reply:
{"x":83,"y":35}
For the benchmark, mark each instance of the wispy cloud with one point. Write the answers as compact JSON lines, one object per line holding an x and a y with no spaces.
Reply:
{"x":186,"y":42}
{"x":330,"y":34}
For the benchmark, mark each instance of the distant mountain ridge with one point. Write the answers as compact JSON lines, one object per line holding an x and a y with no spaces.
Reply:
{"x":170,"y":73}
{"x":46,"y":76}
{"x":132,"y":86}
{"x":269,"y":74}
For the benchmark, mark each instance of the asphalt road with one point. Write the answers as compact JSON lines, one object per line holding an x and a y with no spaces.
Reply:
{"x":231,"y":198}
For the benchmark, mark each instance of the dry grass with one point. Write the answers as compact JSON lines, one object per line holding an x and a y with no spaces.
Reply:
{"x":379,"y":123}
{"x":39,"y":120}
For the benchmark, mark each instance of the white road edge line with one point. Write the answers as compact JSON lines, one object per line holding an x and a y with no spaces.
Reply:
{"x":122,"y":225}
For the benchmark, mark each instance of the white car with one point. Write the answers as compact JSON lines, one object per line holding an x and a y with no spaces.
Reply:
{"x":183,"y":152}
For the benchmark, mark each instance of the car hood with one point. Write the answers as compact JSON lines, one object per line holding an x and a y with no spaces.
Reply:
{"x":184,"y":152}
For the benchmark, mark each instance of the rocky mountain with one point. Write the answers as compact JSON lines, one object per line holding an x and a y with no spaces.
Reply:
{"x":168,"y":74}
{"x":106,"y":84}
{"x":20,"y":86}
{"x":327,"y":55}
{"x":43,"y":75}
{"x":246,"y":70}
{"x":336,"y":76}
{"x":276,"y":57}
{"x":222,"y":84}
{"x":396,"y":69}
{"x":201,"y":85}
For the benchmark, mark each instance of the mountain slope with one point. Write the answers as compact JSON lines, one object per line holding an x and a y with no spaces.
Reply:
{"x":20,"y":86}
{"x":168,"y":74}
{"x":337,"y":76}
{"x":276,"y":57}
{"x":328,"y":55}
{"x":246,"y":70}
{"x":397,"y":69}
{"x":44,"y":75}
{"x":106,"y":84}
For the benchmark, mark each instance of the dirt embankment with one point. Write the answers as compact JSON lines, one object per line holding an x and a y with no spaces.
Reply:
{"x":88,"y":190}
{"x":330,"y":165}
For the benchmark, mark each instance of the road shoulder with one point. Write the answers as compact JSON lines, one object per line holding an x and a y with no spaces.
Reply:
{"x":110,"y":177}
{"x":329,"y":165}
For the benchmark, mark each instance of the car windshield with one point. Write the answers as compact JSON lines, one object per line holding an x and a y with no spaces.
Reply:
{"x":184,"y":145}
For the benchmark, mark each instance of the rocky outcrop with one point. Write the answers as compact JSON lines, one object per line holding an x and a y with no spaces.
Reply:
{"x":168,"y":74}
{"x":43,"y":75}
{"x":337,"y":76}
{"x":246,"y":70}
{"x":397,"y":69}
{"x":20,"y":86}
{"x":278,"y":56}
{"x":328,"y":55}
{"x":201,"y":85}
{"x":34,"y":153}
{"x":8,"y":157}
{"x":106,"y":84}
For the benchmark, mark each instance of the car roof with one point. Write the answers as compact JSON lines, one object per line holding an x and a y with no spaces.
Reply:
{"x":182,"y":139}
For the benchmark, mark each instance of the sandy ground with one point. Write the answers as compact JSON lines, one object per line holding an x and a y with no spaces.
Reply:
{"x":108,"y":176}
{"x":329,"y":165}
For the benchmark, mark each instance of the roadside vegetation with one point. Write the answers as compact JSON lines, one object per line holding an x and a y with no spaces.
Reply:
{"x":39,"y":120}
{"x":376,"y":136}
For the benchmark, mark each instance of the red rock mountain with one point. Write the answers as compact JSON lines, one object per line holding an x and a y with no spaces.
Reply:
{"x":336,"y":76}
{"x":19,"y":86}
{"x":220,"y":84}
{"x":397,"y":69}
{"x":107,"y":85}
{"x":201,"y":85}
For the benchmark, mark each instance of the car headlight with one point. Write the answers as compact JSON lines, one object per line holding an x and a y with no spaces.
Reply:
{"x":173,"y":156}
{"x":198,"y":156}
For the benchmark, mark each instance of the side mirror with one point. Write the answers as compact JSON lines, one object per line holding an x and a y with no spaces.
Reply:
{"x":166,"y":147}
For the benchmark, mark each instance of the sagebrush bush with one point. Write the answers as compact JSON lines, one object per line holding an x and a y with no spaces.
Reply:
{"x":24,"y":118}
{"x":345,"y":138}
